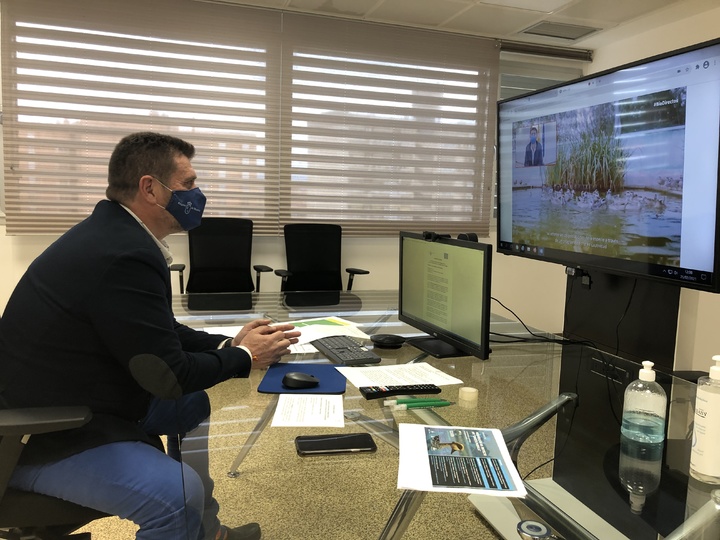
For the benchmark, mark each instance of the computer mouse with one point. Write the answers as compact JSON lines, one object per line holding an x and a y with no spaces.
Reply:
{"x":387,"y":341}
{"x":298,"y":379}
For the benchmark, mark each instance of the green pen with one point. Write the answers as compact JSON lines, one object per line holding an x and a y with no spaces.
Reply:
{"x":422,"y":405}
{"x":399,"y":401}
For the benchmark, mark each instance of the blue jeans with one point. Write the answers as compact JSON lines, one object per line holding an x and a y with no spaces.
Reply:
{"x":168,"y":499}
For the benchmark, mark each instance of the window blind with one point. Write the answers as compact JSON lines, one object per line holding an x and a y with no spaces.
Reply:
{"x":295,"y":118}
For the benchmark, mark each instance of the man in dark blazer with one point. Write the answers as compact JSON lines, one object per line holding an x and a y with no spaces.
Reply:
{"x":93,"y":309}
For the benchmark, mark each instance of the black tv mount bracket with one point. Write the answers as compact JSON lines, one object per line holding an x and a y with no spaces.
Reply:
{"x":433,"y":237}
{"x":585,"y":279}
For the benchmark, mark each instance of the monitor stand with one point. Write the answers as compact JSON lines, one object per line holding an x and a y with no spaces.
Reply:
{"x":435,"y":347}
{"x":633,"y":318}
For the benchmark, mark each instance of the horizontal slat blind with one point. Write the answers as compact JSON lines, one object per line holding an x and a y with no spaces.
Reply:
{"x":295,"y":118}
{"x":79,"y":75}
{"x":390,"y":127}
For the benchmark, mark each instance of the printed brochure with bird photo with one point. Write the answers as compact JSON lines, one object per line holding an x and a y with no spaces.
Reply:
{"x":457,"y":459}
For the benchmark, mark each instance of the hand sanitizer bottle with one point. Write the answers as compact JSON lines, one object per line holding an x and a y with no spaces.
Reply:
{"x":644,"y":408}
{"x":705,"y":452}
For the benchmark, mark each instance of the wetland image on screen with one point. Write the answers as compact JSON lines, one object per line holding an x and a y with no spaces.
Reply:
{"x":610,"y":182}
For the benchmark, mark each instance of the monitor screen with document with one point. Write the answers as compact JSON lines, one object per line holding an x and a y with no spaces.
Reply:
{"x":445,"y":292}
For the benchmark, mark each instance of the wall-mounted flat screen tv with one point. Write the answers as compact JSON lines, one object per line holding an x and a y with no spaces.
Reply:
{"x":617,"y":171}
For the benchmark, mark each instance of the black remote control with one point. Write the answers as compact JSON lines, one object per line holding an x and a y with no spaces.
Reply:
{"x":375,"y":392}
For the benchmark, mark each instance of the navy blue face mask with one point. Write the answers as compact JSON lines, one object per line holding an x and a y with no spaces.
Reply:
{"x":186,"y":206}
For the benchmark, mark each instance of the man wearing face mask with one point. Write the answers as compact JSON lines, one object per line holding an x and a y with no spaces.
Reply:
{"x":533,"y":150}
{"x":91,"y":309}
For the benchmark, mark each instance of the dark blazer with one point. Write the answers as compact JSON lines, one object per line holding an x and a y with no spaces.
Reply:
{"x":533,"y":159}
{"x":97,"y":297}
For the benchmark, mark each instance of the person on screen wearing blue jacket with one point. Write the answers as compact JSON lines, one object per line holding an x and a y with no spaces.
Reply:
{"x":533,"y":150}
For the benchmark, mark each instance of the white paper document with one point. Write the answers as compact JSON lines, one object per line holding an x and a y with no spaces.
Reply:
{"x":396,"y":375}
{"x":309,"y":410}
{"x":457,"y":460}
{"x":310,"y":329}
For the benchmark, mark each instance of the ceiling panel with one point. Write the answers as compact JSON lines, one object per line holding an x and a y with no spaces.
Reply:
{"x":544,"y":6}
{"x":493,"y":21}
{"x":612,"y":11}
{"x":502,"y":19}
{"x":424,"y":12}
{"x":335,"y":7}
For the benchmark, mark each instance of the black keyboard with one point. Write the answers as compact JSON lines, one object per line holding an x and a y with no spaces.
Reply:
{"x":345,"y":350}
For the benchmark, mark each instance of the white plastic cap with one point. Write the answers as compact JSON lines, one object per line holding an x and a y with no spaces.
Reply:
{"x":647,"y":373}
{"x":715,"y":370}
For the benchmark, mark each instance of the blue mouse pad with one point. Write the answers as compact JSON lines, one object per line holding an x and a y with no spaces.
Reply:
{"x":331,"y":380}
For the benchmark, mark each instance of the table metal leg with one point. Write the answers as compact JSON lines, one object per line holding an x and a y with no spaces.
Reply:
{"x":256,"y":432}
{"x":402,"y":514}
{"x":409,"y":501}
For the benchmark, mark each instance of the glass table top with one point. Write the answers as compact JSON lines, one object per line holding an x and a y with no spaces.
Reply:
{"x":353,"y":496}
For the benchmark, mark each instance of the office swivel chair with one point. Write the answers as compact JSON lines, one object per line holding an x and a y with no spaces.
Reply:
{"x":313,"y":254}
{"x":33,"y":516}
{"x":25,"y":515}
{"x":220,"y":252}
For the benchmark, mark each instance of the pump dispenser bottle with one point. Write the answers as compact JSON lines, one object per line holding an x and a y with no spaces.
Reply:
{"x":705,"y":453}
{"x":644,"y":408}
{"x":642,"y":436}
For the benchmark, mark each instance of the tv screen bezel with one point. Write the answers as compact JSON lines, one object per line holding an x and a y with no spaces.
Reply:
{"x":586,"y":263}
{"x":480,"y":350}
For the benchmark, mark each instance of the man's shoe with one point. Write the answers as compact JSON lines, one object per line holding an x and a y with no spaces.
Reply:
{"x":249,"y":531}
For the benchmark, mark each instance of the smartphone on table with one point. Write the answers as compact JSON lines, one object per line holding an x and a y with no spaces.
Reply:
{"x":340,"y":443}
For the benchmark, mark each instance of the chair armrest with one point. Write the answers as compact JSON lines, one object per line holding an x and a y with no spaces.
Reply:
{"x":352,"y":272}
{"x":36,"y":420}
{"x":18,"y":425}
{"x":259,"y":268}
{"x":180,"y":268}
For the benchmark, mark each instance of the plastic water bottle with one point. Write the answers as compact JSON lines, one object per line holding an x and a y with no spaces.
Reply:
{"x":644,"y":408}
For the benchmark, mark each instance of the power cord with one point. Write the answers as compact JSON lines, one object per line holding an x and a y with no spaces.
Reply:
{"x":537,"y":338}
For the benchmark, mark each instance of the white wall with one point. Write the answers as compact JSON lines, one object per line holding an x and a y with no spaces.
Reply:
{"x":534,"y":290}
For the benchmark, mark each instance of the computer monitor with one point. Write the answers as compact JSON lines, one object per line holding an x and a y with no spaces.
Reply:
{"x":618,"y":171}
{"x":445,"y":292}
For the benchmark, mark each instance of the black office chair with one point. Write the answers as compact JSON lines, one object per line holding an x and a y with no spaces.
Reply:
{"x":313,"y":276}
{"x":32,"y":516}
{"x":25,"y":515}
{"x":220,"y":253}
{"x":313,"y":254}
